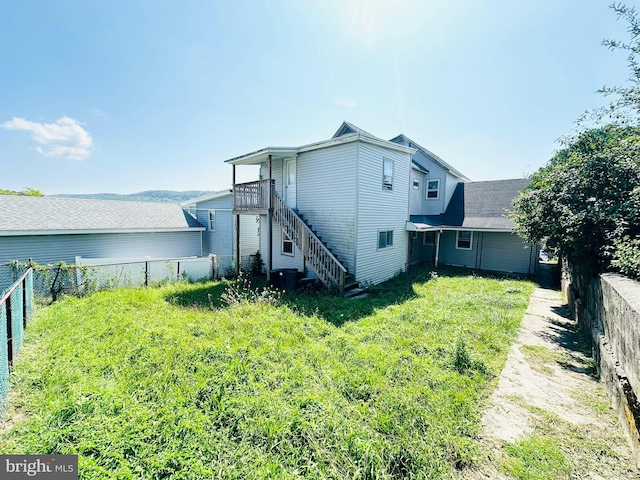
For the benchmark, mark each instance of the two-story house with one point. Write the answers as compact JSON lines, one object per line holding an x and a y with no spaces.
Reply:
{"x":359,"y":209}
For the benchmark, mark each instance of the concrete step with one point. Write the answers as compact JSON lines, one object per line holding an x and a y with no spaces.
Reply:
{"x":355,"y":293}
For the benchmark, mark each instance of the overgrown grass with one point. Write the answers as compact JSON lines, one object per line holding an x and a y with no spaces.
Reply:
{"x":558,"y":449}
{"x":153,"y":383}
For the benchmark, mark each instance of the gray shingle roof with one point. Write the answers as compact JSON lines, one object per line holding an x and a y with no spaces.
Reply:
{"x":478,"y":205}
{"x":66,"y":215}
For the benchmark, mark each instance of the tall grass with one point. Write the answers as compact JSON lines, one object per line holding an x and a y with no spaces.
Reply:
{"x":153,"y":383}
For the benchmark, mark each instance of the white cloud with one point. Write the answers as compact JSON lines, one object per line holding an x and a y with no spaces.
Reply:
{"x":63,"y":139}
{"x":346,"y":102}
{"x":98,"y":112}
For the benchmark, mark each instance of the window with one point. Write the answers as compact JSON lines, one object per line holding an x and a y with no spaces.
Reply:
{"x":464,"y":240}
{"x":212,"y":221}
{"x":433,"y":189}
{"x":287,"y":245}
{"x":429,"y":238}
{"x":385,"y":238}
{"x":387,"y":174}
{"x":416,"y":184}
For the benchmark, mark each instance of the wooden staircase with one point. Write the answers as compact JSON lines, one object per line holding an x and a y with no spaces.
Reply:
{"x":316,"y":254}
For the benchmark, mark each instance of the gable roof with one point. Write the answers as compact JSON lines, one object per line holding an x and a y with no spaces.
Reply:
{"x":350,"y":133}
{"x":477,"y":206}
{"x":347,"y":128}
{"x":22,"y":215}
{"x":402,"y":139}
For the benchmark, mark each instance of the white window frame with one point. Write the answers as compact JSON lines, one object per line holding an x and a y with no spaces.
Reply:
{"x":212,"y":220}
{"x":286,"y":239}
{"x":427,"y":189}
{"x":458,"y":247}
{"x":385,"y":186}
{"x":386,"y":244}
{"x":416,"y":184}
{"x":424,"y":238}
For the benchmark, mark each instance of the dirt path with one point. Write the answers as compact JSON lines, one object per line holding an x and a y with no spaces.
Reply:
{"x":549,"y":410}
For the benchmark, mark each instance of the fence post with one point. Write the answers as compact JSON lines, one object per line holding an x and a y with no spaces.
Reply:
{"x":24,"y":303}
{"x":178,"y":274}
{"x":146,"y":274}
{"x":9,"y":332}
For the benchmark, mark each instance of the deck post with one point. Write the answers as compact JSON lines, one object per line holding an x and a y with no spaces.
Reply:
{"x":233,"y":186}
{"x":270,"y":220}
{"x":237,"y":245}
{"x":437,"y":247}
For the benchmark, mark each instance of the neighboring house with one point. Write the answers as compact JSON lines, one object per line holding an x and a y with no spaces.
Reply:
{"x":359,"y":209}
{"x":50,"y":229}
{"x":215,"y":212}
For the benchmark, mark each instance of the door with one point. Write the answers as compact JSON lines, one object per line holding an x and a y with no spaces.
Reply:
{"x":290,"y":182}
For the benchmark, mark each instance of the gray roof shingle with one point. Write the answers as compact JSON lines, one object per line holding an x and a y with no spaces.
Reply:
{"x":66,"y":215}
{"x":478,"y":205}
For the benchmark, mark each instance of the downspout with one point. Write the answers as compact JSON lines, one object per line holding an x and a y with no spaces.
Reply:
{"x":438,"y":233}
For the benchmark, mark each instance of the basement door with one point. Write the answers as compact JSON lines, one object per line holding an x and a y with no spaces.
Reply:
{"x":290,"y":182}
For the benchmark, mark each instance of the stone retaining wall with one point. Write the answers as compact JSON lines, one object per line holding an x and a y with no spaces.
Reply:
{"x":607,"y":309}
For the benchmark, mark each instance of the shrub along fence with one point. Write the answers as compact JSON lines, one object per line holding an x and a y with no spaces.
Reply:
{"x":16,"y":310}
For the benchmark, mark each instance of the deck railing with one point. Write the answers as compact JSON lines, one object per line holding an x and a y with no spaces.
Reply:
{"x":253,"y":196}
{"x":327,"y":267}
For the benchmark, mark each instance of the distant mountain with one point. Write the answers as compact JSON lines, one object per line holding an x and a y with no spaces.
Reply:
{"x":147,"y":196}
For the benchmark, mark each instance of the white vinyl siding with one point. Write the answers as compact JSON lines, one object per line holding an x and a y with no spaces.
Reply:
{"x":65,"y":248}
{"x":249,"y":240}
{"x":281,"y":260}
{"x":220,"y":241}
{"x":416,"y":197}
{"x":431,"y":206}
{"x":327,"y":196}
{"x":381,"y":210}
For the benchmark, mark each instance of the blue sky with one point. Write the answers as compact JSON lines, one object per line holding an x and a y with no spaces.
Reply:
{"x":124,"y":96}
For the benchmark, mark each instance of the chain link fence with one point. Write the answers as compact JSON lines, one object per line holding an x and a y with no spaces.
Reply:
{"x":91,"y":275}
{"x":16,"y":310}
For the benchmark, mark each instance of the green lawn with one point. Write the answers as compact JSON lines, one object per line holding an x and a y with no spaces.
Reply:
{"x":154,"y":383}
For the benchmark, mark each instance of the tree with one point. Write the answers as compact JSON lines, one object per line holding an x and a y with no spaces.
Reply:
{"x":27,"y":192}
{"x":626,"y":106}
{"x":586,"y":200}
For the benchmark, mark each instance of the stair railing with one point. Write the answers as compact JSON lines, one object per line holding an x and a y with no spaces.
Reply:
{"x":326,"y":266}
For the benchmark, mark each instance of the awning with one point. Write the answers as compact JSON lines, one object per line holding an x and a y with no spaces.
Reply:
{"x":421,"y":227}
